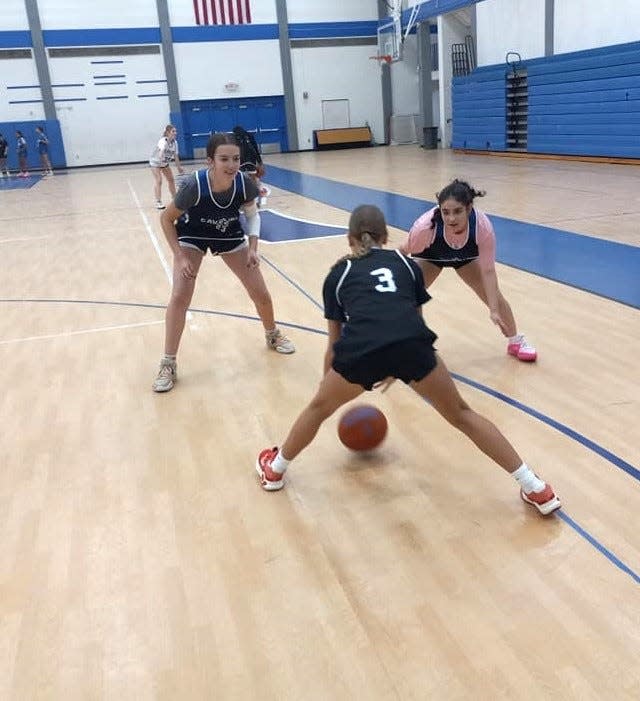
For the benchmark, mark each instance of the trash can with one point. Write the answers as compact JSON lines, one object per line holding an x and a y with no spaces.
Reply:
{"x":429,"y":137}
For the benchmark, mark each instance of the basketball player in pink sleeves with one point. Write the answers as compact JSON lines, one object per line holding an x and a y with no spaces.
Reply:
{"x":456,"y":235}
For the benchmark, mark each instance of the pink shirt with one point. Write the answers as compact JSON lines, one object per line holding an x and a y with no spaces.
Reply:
{"x":421,"y":236}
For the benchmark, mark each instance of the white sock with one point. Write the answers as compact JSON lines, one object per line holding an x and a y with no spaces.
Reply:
{"x":280,"y":464}
{"x":527,"y":480}
{"x":516,"y":339}
{"x":169,"y":358}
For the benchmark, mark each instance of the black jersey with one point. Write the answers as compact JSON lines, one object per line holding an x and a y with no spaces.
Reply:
{"x":214,"y":216}
{"x":376,"y":297}
{"x":441,"y":252}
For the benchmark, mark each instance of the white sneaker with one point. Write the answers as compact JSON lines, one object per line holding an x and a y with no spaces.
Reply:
{"x":167,"y":376}
{"x":278,"y":342}
{"x":159,"y":205}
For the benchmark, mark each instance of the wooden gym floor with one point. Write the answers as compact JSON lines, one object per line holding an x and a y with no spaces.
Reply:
{"x":140,"y":560}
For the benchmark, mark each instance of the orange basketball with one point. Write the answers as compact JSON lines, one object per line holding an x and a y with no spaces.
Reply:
{"x":362,"y":427}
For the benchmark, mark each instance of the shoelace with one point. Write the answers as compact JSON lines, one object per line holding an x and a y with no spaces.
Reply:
{"x":166,"y":371}
{"x":280,"y":339}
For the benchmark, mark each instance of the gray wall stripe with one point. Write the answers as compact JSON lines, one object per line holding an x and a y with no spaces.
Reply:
{"x":168,"y":55}
{"x":287,"y":75}
{"x":40,"y":56}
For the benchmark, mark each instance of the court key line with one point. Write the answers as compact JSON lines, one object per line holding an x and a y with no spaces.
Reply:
{"x":25,"y":238}
{"x":570,"y":433}
{"x":79,"y":332}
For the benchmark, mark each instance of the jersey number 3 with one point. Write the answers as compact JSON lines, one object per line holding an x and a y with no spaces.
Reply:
{"x":386,"y":282}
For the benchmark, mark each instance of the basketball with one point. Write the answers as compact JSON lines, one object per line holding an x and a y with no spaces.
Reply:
{"x":362,"y":427}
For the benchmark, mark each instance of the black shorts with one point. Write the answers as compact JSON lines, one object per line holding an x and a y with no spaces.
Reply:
{"x":409,"y":360}
{"x":455,"y":264}
{"x":217,"y":247}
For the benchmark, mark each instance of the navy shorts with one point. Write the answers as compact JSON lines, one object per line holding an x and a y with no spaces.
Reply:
{"x":217,"y":247}
{"x":455,"y":264}
{"x":409,"y":361}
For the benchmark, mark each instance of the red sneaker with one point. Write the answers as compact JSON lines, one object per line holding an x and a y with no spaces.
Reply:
{"x":522,"y":350}
{"x":270,"y":480}
{"x":545,"y":501}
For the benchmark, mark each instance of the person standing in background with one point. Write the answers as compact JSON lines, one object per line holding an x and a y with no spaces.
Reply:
{"x":21,"y":147}
{"x":166,"y":150}
{"x":42,"y":143}
{"x":4,"y":152}
{"x":251,"y":161}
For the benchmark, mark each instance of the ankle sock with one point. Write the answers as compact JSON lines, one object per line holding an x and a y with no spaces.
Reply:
{"x":279,"y":463}
{"x":527,"y":479}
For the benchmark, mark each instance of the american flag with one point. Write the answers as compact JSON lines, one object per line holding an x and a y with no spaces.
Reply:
{"x":222,"y":11}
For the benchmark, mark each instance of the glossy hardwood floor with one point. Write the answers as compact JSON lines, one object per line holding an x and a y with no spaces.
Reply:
{"x":140,"y":560}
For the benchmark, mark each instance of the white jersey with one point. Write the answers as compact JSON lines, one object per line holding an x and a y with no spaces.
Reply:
{"x":164,"y":152}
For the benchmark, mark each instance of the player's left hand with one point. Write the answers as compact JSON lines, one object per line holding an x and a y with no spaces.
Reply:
{"x":253,"y":259}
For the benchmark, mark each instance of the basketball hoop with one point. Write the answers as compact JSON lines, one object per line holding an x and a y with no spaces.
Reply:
{"x":383,"y":58}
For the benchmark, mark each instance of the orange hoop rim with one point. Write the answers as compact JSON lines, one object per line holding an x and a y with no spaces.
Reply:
{"x":383,"y":57}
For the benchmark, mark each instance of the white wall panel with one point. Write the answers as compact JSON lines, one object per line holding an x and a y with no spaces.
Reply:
{"x":509,"y":25}
{"x":331,"y":10}
{"x":82,"y":14}
{"x":13,"y":16}
{"x":357,"y":80}
{"x":109,"y":130}
{"x":587,"y":24}
{"x":14,"y":74}
{"x":203,"y":68}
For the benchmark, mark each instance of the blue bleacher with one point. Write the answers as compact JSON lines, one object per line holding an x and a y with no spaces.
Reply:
{"x":581,"y":103}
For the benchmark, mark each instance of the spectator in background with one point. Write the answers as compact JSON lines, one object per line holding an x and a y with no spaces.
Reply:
{"x":21,"y":147}
{"x":42,"y":143}
{"x":4,"y":152}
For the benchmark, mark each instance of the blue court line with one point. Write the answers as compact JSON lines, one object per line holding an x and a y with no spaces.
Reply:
{"x":569,"y":432}
{"x":605,"y":268}
{"x":598,"y":546}
{"x":561,"y":514}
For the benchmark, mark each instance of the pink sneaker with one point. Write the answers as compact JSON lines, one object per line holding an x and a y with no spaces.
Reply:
{"x":270,"y":480}
{"x":522,"y":350}
{"x":545,"y":501}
